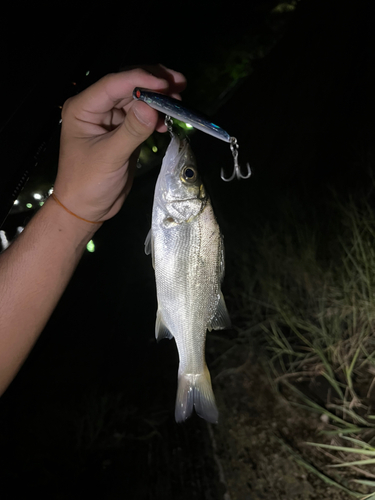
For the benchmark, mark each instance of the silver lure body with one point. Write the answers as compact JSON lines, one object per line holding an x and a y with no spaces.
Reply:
{"x":175,"y":109}
{"x":188,"y":258}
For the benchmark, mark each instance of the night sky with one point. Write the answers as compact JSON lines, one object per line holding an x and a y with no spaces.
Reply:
{"x":302,"y":117}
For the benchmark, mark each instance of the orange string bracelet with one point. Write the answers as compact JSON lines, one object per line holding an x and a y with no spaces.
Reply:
{"x":69,"y":212}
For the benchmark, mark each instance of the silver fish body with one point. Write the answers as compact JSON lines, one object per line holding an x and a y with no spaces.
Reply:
{"x":188,"y":258}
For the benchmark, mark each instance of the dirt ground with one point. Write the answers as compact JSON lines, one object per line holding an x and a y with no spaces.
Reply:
{"x":255,"y":421}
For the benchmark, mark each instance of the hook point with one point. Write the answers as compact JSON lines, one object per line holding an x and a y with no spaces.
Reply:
{"x":230,"y":178}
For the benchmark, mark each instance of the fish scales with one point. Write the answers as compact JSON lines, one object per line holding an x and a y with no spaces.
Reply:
{"x":187,"y":251}
{"x":184,"y":273}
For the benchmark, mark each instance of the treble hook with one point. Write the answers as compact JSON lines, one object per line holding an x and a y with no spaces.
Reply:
{"x":236,"y":171}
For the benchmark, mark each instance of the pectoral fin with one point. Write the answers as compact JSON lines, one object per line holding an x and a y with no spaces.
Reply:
{"x":148,"y":243}
{"x":221,"y":319}
{"x":149,"y":247}
{"x":161,"y":331}
{"x":222,"y":258}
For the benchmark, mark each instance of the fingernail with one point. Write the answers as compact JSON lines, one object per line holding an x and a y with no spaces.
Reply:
{"x":141,"y":114}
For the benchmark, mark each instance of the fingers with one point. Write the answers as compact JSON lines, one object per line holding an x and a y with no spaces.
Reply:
{"x":107,"y":111}
{"x":111,"y":92}
{"x":115,"y":90}
{"x":138,"y":125}
{"x":177,"y":83}
{"x":176,"y":80}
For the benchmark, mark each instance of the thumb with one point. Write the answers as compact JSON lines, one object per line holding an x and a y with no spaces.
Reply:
{"x":140,"y":122}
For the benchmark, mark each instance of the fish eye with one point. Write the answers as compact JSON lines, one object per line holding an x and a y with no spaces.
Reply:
{"x":189,"y":174}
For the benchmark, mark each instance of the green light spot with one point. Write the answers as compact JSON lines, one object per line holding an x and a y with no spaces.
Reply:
{"x":154,"y":149}
{"x":90,"y":246}
{"x":29,"y":205}
{"x":284,"y":7}
{"x":87,"y":73}
{"x":41,"y":203}
{"x":183,"y":125}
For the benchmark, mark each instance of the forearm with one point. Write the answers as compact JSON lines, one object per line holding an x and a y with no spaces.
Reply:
{"x":34,"y":272}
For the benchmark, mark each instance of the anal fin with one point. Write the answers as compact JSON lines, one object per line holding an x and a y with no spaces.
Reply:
{"x":161,"y":331}
{"x":221,"y":319}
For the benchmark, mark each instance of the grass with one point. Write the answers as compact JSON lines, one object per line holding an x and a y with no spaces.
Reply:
{"x":306,"y":296}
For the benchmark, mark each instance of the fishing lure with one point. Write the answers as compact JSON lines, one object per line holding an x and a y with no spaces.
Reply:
{"x":174,"y":108}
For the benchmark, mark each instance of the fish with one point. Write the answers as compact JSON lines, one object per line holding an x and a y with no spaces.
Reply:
{"x":174,"y":108}
{"x":187,"y":251}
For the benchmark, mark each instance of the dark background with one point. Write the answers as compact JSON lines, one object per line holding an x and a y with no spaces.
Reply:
{"x":91,"y":411}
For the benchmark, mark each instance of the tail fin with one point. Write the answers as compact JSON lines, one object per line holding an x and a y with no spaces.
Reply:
{"x":195,"y":390}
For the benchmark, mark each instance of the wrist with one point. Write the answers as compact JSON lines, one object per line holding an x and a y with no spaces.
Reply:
{"x":53,"y":195}
{"x":71,"y":227}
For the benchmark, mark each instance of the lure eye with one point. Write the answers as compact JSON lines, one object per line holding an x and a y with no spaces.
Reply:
{"x":189,"y":174}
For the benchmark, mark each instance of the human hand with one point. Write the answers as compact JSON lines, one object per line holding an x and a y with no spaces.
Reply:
{"x":101,"y":128}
